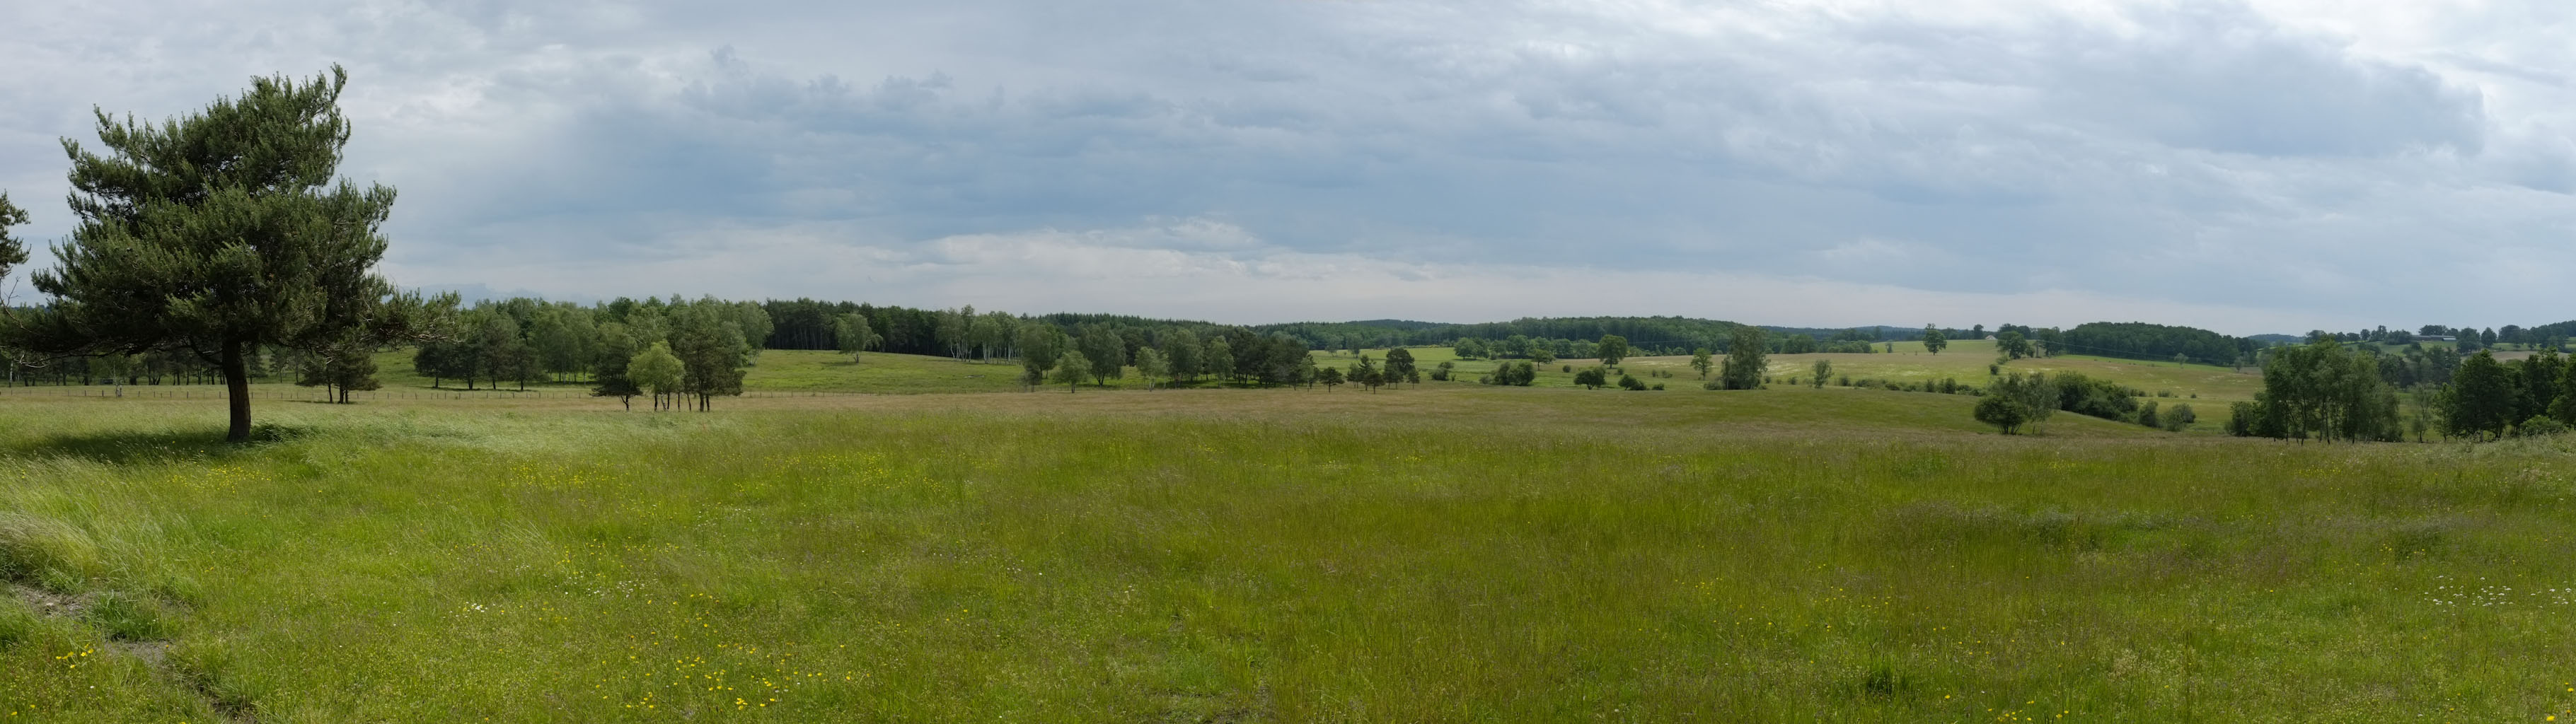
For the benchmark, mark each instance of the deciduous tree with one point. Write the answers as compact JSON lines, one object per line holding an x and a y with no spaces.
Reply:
{"x":1071,"y":368}
{"x":1611,"y":350}
{"x":659,"y":371}
{"x":1747,"y":357}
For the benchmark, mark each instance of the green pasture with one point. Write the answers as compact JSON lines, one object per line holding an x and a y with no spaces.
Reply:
{"x":1430,"y":553}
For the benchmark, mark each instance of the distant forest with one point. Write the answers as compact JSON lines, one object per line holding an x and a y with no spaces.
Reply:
{"x":990,"y":335}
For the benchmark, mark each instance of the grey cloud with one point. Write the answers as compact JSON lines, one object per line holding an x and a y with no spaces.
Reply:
{"x":2269,"y":163}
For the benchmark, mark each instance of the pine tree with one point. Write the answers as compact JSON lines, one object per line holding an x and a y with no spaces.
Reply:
{"x":219,"y":233}
{"x":12,"y":251}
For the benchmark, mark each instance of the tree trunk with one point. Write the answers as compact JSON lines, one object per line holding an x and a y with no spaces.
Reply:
{"x":237,"y":385}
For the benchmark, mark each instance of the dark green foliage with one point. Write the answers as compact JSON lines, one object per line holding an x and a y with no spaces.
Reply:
{"x":608,"y":367}
{"x":2003,"y":413}
{"x":2018,"y":400}
{"x":1933,"y":340}
{"x":2140,"y":340}
{"x":2012,"y":345}
{"x":708,"y":338}
{"x":2540,"y":426}
{"x":12,"y":251}
{"x":219,"y":233}
{"x":1591,"y":378}
{"x":2147,"y":415}
{"x":1330,"y":377}
{"x":1106,"y":351}
{"x":2180,"y":417}
{"x":1631,"y":383}
{"x":1366,"y":374}
{"x":2481,"y":399}
{"x":1399,"y":365}
{"x":1520,"y":373}
{"x":1612,"y":349}
{"x":2326,"y":391}
{"x":2091,"y":397}
{"x":1746,"y":358}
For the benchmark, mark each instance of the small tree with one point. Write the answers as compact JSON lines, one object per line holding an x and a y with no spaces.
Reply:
{"x":1700,"y":361}
{"x":1933,"y":340}
{"x":2003,"y":413}
{"x":1747,"y":356}
{"x":1630,"y":382}
{"x":1331,"y":377}
{"x":1445,"y":371}
{"x":853,"y":335}
{"x":2012,"y":345}
{"x":1219,"y":359}
{"x":1150,"y":364}
{"x":1611,"y":350}
{"x":1366,"y":374}
{"x":1399,"y":366}
{"x":1071,"y":368}
{"x":1824,"y":369}
{"x":1591,"y":378}
{"x":659,"y":371}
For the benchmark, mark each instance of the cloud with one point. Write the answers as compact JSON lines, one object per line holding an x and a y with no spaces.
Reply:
{"x":2278,"y":159}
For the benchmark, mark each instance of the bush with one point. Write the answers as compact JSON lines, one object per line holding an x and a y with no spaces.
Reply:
{"x":2240,"y":419}
{"x":2147,"y":416}
{"x":1712,"y":385}
{"x":2540,"y":426}
{"x":1659,"y":387}
{"x":1591,"y":378}
{"x":2180,"y":417}
{"x":2003,"y":413}
{"x":1631,"y":383}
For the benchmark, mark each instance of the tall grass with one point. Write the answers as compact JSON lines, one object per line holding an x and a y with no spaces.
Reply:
{"x":1451,"y":554}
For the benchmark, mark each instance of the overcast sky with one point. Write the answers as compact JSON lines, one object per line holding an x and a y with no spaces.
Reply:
{"x":2269,"y":166}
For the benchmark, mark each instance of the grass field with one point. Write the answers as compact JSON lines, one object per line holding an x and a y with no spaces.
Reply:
{"x":1440,"y":553}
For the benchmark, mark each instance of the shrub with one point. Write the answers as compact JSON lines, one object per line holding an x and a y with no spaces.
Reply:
{"x":2240,"y":419}
{"x":2539,"y":426}
{"x":1631,"y":383}
{"x":1711,"y":385}
{"x":2003,"y":413}
{"x":2180,"y":417}
{"x":2147,"y":416}
{"x":1591,"y":378}
{"x":1659,"y":387}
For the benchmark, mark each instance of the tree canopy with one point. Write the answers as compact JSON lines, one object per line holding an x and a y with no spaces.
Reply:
{"x":219,"y":232}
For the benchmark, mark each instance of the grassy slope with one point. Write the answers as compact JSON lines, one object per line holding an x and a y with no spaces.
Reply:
{"x":1446,"y":553}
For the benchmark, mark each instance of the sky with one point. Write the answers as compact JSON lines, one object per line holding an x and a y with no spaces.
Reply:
{"x":2251,"y":167}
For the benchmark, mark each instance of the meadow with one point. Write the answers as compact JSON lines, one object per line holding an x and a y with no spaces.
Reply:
{"x":1432,"y":553}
